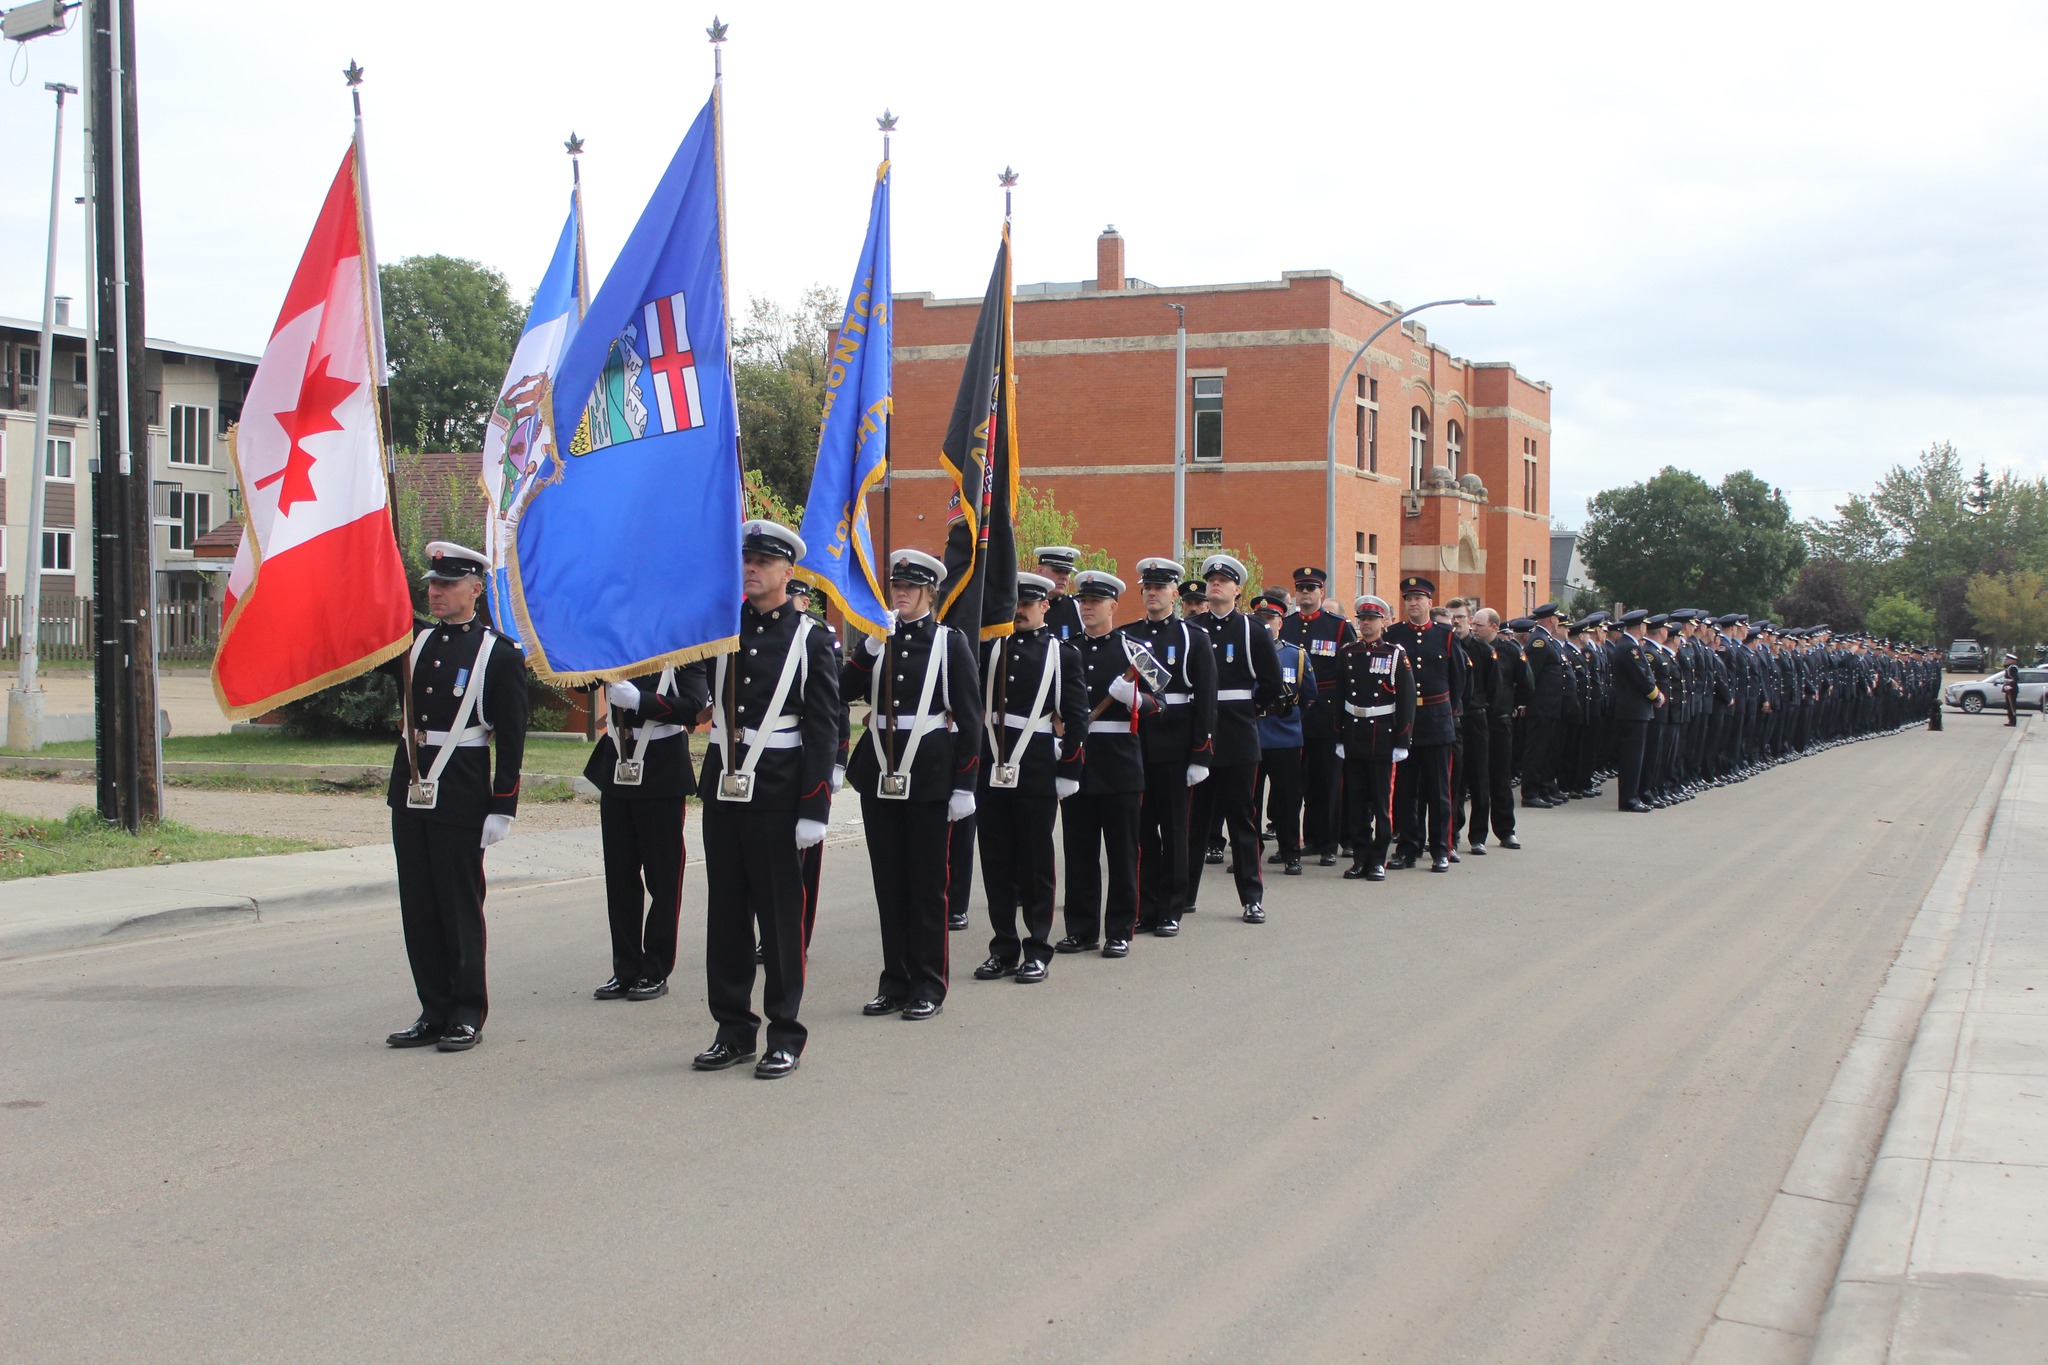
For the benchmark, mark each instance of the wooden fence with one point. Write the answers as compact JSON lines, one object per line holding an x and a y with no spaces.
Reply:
{"x":186,"y":631}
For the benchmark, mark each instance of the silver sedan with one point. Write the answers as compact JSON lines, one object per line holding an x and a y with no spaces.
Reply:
{"x":1986,"y":694}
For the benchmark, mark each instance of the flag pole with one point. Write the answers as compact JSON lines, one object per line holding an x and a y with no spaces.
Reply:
{"x":716,"y":33}
{"x":887,"y":123}
{"x":574,"y":146}
{"x":373,"y":304}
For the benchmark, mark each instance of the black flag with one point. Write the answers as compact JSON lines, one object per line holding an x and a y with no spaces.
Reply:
{"x":980,"y":592}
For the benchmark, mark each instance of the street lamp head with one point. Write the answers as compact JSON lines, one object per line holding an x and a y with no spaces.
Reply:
{"x":1477,"y":303}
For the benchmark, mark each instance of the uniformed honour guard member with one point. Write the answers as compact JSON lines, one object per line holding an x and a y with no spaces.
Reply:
{"x":1177,"y":746}
{"x":767,"y":786}
{"x":814,"y":856}
{"x":1281,"y":737}
{"x":1323,"y":635}
{"x":468,"y":692}
{"x":916,"y":769}
{"x":2009,"y":683}
{"x":1636,"y":699}
{"x":1034,"y":736}
{"x":1062,"y":615}
{"x":1376,"y":696}
{"x":643,"y":774}
{"x":1247,"y":681}
{"x":1422,"y":781}
{"x":1099,"y":823}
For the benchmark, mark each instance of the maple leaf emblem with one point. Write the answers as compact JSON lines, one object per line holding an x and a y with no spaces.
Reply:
{"x":319,"y":395}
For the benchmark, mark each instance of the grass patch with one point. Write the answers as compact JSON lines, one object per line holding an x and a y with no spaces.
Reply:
{"x":82,"y":842}
{"x":565,"y":756}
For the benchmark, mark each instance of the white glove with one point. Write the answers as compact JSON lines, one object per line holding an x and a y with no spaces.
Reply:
{"x":1197,"y":774}
{"x":625,"y":694}
{"x":496,"y":827}
{"x":838,"y":778}
{"x":809,"y":832}
{"x":1340,"y":751}
{"x":1400,"y":755}
{"x":1065,"y":787}
{"x":1124,"y":690}
{"x":960,"y":805}
{"x":873,"y":645}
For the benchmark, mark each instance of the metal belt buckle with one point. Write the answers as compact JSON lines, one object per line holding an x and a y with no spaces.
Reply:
{"x":422,"y":794}
{"x":1003,"y":775}
{"x":895,"y":786}
{"x":628,"y":772}
{"x":736,"y":786}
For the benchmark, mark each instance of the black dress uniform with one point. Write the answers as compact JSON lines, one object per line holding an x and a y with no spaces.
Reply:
{"x":932,"y":723}
{"x":1176,"y":736}
{"x":1378,"y":705}
{"x":1099,"y":824}
{"x":468,"y":690}
{"x":1636,"y":699}
{"x":641,"y":818}
{"x":1422,"y":781}
{"x":1510,"y":709}
{"x":1485,"y":694}
{"x":1033,"y":681}
{"x":1323,"y":634}
{"x":775,"y":717}
{"x":1247,"y":681}
{"x":1552,"y":678}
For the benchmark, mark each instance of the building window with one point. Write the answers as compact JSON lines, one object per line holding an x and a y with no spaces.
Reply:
{"x":1528,"y":586}
{"x":1372,"y":579}
{"x":1418,"y":446}
{"x":1368,"y":435}
{"x":57,"y":459}
{"x":191,"y":435}
{"x":1454,"y":449}
{"x":28,"y":364}
{"x":78,"y":374}
{"x":1207,"y":539}
{"x":1361,"y":542}
{"x":56,"y":552}
{"x":1208,"y":419}
{"x":1528,"y":474}
{"x":195,"y":519}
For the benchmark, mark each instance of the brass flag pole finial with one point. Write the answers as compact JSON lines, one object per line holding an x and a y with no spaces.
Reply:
{"x":574,"y":145}
{"x":887,"y":122}
{"x":353,"y":74}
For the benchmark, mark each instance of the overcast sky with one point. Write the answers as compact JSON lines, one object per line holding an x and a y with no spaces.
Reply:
{"x":1802,"y":239}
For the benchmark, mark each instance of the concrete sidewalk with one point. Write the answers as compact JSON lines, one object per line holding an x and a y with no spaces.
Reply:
{"x":1948,"y":1257}
{"x":81,"y":909}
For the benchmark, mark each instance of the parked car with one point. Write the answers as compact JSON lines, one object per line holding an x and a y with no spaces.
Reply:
{"x":1985,"y":694}
{"x":1965,"y":656}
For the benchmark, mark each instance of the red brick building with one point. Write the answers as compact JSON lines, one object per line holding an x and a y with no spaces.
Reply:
{"x":1443,"y":464}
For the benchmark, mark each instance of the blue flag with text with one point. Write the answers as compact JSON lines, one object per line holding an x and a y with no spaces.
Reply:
{"x":627,"y":553}
{"x":853,"y":437}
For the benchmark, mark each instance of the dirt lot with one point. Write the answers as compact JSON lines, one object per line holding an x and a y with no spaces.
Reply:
{"x":339,"y":820}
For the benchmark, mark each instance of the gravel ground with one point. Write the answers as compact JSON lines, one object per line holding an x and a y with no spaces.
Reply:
{"x":339,"y":820}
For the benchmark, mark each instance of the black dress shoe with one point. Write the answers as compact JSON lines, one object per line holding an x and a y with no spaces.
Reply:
{"x":1214,"y":857}
{"x":459,"y":1038}
{"x":995,"y":969}
{"x":719,"y":1056}
{"x":1255,"y":913}
{"x":1070,"y":944}
{"x":419,"y":1034}
{"x":775,"y":1065}
{"x":1030,"y":973}
{"x":957,"y":920}
{"x":1635,"y":808}
{"x":1401,"y":862}
{"x":1346,"y":850}
{"x":1453,"y":856}
{"x":1168,"y":928}
{"x":1293,"y":868}
{"x":1327,"y":860}
{"x":1276,"y":857}
{"x":919,"y":1010}
{"x":613,"y":989}
{"x":647,"y":988}
{"x":1439,"y":864}
{"x":1479,"y":849}
{"x":882,"y":1004}
{"x":1117,"y":947}
{"x":1357,"y":871}
{"x":1510,"y":842}
{"x":1375,"y":873}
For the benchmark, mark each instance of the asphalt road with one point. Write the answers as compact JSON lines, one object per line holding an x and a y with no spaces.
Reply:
{"x":1530,"y":1111}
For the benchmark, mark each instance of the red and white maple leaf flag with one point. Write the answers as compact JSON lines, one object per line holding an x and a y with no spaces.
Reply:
{"x":318,"y":592}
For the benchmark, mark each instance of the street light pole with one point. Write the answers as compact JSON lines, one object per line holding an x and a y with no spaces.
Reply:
{"x":1330,"y":445}
{"x":1180,"y":431}
{"x":25,"y":707}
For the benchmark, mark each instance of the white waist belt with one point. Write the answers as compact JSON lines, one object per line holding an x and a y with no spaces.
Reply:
{"x":1369,"y":712}
{"x":1109,"y":727}
{"x":476,"y":737}
{"x":1177,"y":698}
{"x":1017,"y":722}
{"x":1234,"y":694}
{"x":783,"y":734}
{"x":910,"y":722}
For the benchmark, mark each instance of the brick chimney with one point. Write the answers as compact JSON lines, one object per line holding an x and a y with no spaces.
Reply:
{"x":1109,"y":259}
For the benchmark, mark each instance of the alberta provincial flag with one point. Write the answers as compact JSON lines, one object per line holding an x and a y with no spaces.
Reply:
{"x":853,"y":437}
{"x":520,"y":434}
{"x":626,"y":557}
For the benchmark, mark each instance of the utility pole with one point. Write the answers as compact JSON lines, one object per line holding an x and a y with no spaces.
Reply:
{"x":1180,"y":432}
{"x":25,"y":703}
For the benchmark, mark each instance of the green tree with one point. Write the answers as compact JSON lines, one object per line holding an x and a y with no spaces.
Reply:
{"x":449,"y":329}
{"x":1896,"y":616}
{"x":2010,"y":609}
{"x":1038,"y":521}
{"x":779,"y":369}
{"x":1676,"y":540}
{"x":1820,"y":596}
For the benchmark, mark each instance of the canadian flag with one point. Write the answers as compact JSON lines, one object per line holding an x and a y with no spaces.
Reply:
{"x":318,"y":592}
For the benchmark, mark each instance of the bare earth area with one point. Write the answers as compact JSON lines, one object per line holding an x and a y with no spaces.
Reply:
{"x":1532,"y":1111}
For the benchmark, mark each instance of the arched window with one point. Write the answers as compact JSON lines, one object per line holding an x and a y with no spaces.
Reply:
{"x":1418,"y":446}
{"x":1454,"y":449}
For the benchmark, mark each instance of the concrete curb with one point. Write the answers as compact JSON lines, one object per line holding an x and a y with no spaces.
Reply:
{"x":341,"y":774}
{"x":1773,"y":1308}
